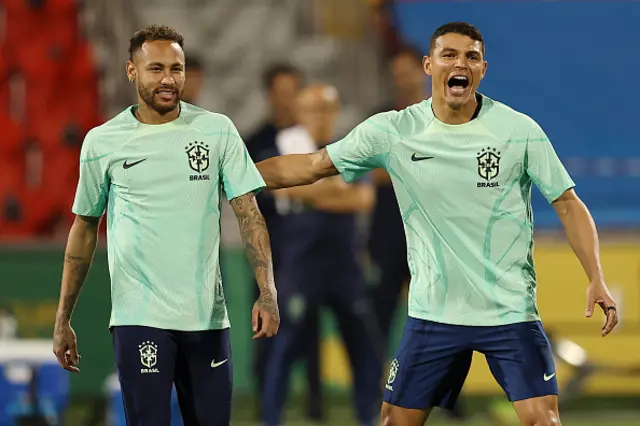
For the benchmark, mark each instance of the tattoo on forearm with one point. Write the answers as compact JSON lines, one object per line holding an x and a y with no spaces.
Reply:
{"x":255,"y":237}
{"x":77,"y":268}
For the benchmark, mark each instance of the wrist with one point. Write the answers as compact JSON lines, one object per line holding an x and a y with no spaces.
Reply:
{"x":268,"y":291}
{"x":62,"y":318}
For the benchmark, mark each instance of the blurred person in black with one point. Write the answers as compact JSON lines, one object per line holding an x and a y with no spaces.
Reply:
{"x":387,"y":245}
{"x":282,"y":83}
{"x":194,"y":79}
{"x":319,"y":265}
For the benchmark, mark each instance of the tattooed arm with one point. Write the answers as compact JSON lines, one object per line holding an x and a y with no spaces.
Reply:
{"x":81,"y":246}
{"x":265,"y":314}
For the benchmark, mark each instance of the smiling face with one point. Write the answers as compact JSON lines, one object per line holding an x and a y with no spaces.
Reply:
{"x":158,"y":70}
{"x":456,"y":65}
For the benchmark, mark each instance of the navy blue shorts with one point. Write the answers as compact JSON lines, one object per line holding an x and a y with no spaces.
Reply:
{"x":433,"y":361}
{"x":150,"y":361}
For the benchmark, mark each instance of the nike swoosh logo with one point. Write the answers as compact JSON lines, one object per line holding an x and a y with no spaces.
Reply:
{"x":548,"y":377}
{"x":215,"y":364}
{"x":414,"y":157}
{"x":126,"y":166}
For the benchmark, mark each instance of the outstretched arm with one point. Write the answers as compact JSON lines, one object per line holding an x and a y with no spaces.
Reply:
{"x":296,"y":169}
{"x":333,"y":194}
{"x":253,"y":229}
{"x":583,"y":238}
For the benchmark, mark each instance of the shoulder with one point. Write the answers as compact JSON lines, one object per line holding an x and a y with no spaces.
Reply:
{"x":112,"y":133}
{"x":404,"y":122}
{"x":508,"y":122}
{"x":212,"y":123}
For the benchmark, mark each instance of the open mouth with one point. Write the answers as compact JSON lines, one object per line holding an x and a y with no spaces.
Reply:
{"x":458,"y":84}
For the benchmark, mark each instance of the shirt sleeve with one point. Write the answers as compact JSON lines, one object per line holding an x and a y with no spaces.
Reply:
{"x":365,"y":148}
{"x":239,"y":174}
{"x":93,"y":184}
{"x":543,"y":165}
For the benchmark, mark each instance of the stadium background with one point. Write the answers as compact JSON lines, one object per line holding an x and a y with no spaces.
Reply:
{"x":569,"y":64}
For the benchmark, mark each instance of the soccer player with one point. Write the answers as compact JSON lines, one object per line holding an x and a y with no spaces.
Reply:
{"x":462,"y":167}
{"x":158,"y":169}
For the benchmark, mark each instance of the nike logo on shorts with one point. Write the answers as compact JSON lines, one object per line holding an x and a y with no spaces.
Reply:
{"x":215,"y":364}
{"x":548,"y":377}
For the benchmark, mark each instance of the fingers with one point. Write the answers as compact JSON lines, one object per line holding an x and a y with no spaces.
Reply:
{"x":72,"y":364}
{"x":65,"y":359}
{"x":612,"y":318}
{"x":73,"y":355}
{"x":264,"y":326}
{"x":269,"y":327}
{"x":60,"y":353}
{"x":255,"y":316}
{"x":590,"y":303}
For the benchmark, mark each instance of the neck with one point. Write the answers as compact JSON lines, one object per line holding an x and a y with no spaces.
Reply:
{"x":448,"y":115}
{"x":403,"y":100}
{"x":148,"y":115}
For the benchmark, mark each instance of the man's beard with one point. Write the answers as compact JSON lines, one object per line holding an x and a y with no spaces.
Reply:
{"x":149,"y":98}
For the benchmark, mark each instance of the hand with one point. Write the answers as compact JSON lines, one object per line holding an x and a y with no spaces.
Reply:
{"x":65,"y":346}
{"x":265,"y":317}
{"x":597,"y":292}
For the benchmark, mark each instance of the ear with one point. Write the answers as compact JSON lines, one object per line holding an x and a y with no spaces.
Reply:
{"x":131,"y":71}
{"x":426,"y":65}
{"x":484,"y":68}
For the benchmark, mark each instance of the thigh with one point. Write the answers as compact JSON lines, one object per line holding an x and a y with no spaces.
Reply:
{"x":430,"y":366}
{"x":520,"y":359}
{"x":204,"y":377}
{"x":145,"y":360}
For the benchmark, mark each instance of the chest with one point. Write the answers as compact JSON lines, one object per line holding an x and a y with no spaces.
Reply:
{"x":461,"y":165}
{"x":174,"y":164}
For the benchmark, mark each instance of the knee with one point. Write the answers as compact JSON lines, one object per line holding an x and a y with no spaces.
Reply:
{"x":548,"y":419}
{"x":386,"y":416}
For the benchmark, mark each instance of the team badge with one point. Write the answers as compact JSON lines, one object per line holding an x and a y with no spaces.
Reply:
{"x":488,"y":166}
{"x":198,"y":154}
{"x":148,"y":357}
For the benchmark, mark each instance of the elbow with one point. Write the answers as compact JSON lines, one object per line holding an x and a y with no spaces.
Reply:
{"x":84,"y":230}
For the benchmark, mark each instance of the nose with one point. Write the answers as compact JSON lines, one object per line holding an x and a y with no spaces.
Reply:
{"x":461,"y":61}
{"x":168,"y":79}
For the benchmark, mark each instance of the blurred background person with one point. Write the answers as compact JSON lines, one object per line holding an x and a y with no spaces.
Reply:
{"x":387,"y":245}
{"x":282,"y":82}
{"x":194,"y":79}
{"x":319,"y":265}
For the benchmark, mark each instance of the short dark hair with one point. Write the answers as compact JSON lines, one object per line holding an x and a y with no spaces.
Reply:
{"x":462,"y":28}
{"x":275,"y":70}
{"x":408,"y":50}
{"x":194,"y":63}
{"x":153,"y":33}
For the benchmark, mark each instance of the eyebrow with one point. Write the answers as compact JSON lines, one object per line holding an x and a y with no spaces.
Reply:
{"x":159,"y":64}
{"x":451,"y":49}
